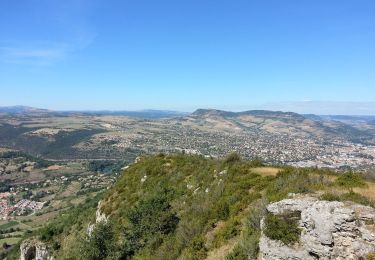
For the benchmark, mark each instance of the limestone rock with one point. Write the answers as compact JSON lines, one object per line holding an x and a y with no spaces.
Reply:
{"x":100,"y":217}
{"x":330,"y":230}
{"x":33,"y":249}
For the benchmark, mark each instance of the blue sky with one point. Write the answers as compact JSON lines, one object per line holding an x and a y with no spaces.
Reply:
{"x":188,"y":54}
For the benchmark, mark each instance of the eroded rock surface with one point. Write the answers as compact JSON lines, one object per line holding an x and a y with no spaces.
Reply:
{"x":33,"y":249}
{"x":100,"y":217}
{"x":330,"y":230}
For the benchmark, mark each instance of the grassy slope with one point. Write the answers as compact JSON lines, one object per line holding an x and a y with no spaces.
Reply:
{"x":217,"y":204}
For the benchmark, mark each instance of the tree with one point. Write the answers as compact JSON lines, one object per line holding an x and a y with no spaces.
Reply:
{"x":101,"y":243}
{"x":149,"y":221}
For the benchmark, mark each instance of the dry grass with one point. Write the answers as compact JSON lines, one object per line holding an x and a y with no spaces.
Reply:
{"x":368,"y":192}
{"x":210,"y":236}
{"x":71,"y":190}
{"x":266,"y":171}
{"x":78,"y":200}
{"x":221,"y":252}
{"x":53,"y":168}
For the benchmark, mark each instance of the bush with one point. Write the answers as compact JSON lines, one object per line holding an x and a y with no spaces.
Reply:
{"x":330,"y":197}
{"x":232,"y":158}
{"x":222,"y":211}
{"x":237,"y":254}
{"x":148,"y":222}
{"x":231,"y":229}
{"x":350,"y":180}
{"x":101,"y":244}
{"x":350,"y":196}
{"x":283,"y":227}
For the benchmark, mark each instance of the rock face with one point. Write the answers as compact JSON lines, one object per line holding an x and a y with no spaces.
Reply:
{"x":100,"y":217}
{"x":330,"y":230}
{"x":33,"y":249}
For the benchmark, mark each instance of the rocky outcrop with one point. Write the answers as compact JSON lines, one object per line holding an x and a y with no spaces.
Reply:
{"x":33,"y":249}
{"x":330,"y":230}
{"x":100,"y":217}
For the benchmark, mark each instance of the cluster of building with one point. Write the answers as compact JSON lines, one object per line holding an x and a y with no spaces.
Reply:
{"x":340,"y":155}
{"x":99,"y":181}
{"x":6,"y":209}
{"x":285,"y":144}
{"x":25,"y":204}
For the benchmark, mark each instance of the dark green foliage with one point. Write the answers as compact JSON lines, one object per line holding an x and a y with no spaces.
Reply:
{"x":196,"y":248}
{"x":350,"y":180}
{"x":222,"y":211}
{"x":39,"y":162}
{"x":105,"y":166}
{"x":237,"y":254}
{"x":101,"y":243}
{"x":282,"y":227}
{"x":232,"y":158}
{"x":61,"y":147}
{"x":148,"y":222}
{"x":330,"y":196}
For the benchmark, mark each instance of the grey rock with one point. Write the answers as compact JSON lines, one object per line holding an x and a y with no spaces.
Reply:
{"x":34,"y":249}
{"x":330,"y":230}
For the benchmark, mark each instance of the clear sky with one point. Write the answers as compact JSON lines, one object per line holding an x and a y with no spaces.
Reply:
{"x":188,"y":54}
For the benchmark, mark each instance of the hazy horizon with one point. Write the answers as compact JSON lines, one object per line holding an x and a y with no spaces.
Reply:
{"x":305,"y":107}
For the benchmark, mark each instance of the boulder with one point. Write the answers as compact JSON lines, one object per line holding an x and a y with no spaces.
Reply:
{"x":330,"y":230}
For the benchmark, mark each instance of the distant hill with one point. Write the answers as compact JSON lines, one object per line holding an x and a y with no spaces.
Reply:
{"x":275,"y":136}
{"x":257,"y":113}
{"x":148,"y":113}
{"x":22,"y":110}
{"x":282,"y":122}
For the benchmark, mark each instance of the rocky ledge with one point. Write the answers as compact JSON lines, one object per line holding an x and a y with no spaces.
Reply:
{"x":329,"y":230}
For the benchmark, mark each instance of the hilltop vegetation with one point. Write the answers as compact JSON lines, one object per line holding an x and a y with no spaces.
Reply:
{"x":189,"y":207}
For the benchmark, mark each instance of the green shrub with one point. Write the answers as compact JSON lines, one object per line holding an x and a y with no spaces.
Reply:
{"x":330,"y":197}
{"x":238,"y":253}
{"x":350,"y":180}
{"x":196,"y":249}
{"x":148,"y":222}
{"x":282,"y":227}
{"x":231,"y":229}
{"x":349,"y":196}
{"x":232,"y":158}
{"x":101,"y":244}
{"x":222,"y":211}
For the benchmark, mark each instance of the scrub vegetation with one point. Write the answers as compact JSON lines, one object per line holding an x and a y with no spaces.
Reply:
{"x":191,"y":207}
